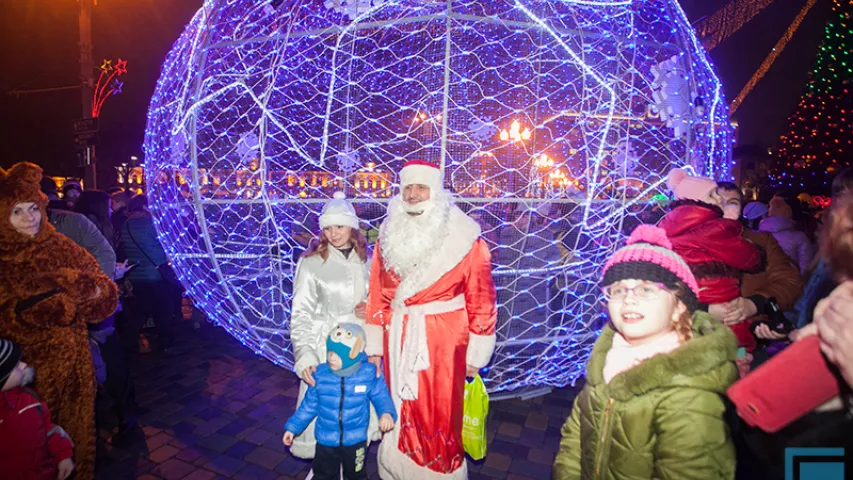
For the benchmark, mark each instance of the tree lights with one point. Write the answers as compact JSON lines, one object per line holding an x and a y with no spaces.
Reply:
{"x":819,"y":141}
{"x":542,"y":114}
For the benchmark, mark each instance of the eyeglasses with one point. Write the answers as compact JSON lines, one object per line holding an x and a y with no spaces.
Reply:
{"x":644,"y":291}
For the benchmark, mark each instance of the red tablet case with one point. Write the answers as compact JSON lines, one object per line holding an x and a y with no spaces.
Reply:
{"x":786,"y":387}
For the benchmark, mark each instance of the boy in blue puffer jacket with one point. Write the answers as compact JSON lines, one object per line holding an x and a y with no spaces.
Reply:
{"x":340,"y":400}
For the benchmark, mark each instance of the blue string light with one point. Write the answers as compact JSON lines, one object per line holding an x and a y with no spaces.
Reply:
{"x":555,"y":123}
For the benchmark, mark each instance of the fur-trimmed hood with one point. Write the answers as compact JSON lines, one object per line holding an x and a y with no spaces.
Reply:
{"x":705,"y":362}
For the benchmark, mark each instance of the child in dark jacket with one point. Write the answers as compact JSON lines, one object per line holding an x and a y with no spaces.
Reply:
{"x":31,"y":446}
{"x":340,"y":400}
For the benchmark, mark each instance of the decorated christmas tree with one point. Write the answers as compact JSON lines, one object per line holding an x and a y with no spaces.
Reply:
{"x":819,"y":141}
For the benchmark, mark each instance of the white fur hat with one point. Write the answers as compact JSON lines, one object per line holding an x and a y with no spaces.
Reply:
{"x":422,"y":173}
{"x":338,"y":211}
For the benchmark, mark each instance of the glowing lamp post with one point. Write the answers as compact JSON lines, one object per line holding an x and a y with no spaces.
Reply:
{"x":515,"y":133}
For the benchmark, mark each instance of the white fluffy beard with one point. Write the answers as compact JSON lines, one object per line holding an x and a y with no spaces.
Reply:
{"x":410,"y":241}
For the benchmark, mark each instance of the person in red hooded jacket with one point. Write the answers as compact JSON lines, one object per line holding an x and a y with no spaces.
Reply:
{"x":32,"y":447}
{"x":710,"y":244}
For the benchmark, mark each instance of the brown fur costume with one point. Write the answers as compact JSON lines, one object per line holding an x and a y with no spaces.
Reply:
{"x":49,"y":289}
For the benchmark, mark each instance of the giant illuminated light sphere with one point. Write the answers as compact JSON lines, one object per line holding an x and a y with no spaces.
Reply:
{"x":555,"y":123}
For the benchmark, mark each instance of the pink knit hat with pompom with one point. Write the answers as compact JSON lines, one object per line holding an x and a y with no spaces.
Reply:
{"x":688,"y":187}
{"x":649,"y":256}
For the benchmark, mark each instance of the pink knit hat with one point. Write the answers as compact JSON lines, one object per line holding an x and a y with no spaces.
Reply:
{"x":687,"y":187}
{"x":649,"y":256}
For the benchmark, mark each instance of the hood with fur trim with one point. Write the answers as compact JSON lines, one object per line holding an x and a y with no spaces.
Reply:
{"x":705,"y":362}
{"x":21,"y":184}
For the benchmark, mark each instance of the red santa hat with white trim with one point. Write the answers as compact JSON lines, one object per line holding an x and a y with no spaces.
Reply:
{"x":422,"y":173}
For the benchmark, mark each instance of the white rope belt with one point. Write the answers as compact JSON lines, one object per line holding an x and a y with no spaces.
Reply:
{"x":415,"y":351}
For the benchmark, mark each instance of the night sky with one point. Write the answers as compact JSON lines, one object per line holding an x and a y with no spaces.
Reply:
{"x":38,"y":49}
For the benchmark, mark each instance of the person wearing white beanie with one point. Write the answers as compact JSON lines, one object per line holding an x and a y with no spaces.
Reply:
{"x":329,"y":288}
{"x":338,"y":211}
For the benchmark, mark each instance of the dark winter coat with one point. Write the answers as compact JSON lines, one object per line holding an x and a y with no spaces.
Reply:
{"x":713,"y":248}
{"x":138,"y":243}
{"x":31,"y":446}
{"x":779,"y":279}
{"x":342,"y":406}
{"x":661,"y":419}
{"x":84,"y":233}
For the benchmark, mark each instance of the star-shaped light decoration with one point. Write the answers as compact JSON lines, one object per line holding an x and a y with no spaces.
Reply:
{"x":107,"y":65}
{"x":116,"y":87}
{"x":121,"y":66}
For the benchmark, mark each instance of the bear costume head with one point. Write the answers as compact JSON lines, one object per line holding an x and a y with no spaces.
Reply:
{"x":21,"y":184}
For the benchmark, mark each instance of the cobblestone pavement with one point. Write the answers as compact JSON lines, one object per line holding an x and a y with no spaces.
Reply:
{"x":215,"y":410}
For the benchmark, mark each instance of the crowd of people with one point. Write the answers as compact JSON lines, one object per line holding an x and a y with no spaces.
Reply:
{"x":79,"y":278}
{"x":689,"y":303}
{"x":385,"y":337}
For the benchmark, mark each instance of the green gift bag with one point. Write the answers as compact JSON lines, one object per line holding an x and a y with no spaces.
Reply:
{"x":474,"y":420}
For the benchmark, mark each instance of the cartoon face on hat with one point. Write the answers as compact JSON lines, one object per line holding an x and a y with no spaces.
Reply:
{"x":345,"y":345}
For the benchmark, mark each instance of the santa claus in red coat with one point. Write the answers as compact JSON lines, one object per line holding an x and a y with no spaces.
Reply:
{"x":431,"y":315}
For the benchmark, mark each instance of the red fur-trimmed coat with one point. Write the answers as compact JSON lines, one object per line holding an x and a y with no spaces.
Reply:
{"x":50,"y":288}
{"x":426,"y":443}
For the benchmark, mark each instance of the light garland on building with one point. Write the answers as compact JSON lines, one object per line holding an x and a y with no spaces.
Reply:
{"x":542,"y":110}
{"x":770,"y":59}
{"x":728,"y":20}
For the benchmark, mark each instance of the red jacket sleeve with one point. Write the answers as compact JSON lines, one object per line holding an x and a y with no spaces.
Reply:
{"x":377,"y":308}
{"x":480,"y":298}
{"x":726,"y":245}
{"x":58,"y":441}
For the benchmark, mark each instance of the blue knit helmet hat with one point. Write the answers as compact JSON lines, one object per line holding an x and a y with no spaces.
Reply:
{"x":347,"y":340}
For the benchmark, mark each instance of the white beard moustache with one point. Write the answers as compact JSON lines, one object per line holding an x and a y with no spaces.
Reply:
{"x":418,"y":208}
{"x":409,"y":242}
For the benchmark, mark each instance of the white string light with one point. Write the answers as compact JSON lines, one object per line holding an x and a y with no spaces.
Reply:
{"x":543,"y":110}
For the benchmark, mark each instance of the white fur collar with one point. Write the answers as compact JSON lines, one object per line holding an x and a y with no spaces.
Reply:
{"x":463,"y":231}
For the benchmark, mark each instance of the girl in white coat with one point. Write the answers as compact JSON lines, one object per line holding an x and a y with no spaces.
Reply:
{"x":329,"y":288}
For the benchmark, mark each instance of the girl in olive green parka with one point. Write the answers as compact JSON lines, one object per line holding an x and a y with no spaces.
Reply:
{"x":653,"y":406}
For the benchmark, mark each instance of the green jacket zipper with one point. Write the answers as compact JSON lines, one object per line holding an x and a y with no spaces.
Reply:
{"x":605,"y":427}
